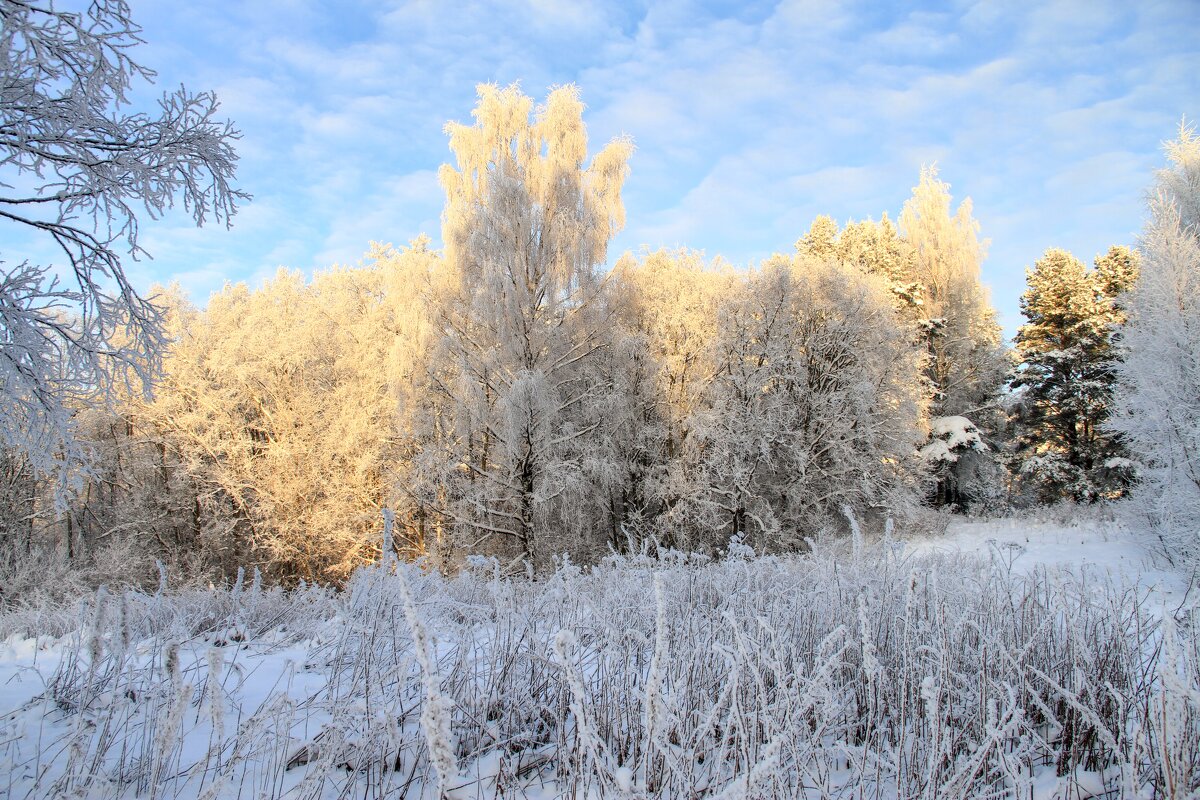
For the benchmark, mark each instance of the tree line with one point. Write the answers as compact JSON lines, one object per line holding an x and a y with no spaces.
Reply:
{"x":512,"y":395}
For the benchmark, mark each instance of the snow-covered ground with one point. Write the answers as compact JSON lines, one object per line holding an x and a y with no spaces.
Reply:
{"x":1080,"y":547}
{"x":1004,"y":658}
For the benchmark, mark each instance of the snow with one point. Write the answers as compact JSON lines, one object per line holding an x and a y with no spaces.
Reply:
{"x":1074,"y":546}
{"x":1078,"y":549}
{"x":950,"y":434}
{"x":24,"y":665}
{"x":640,"y":677}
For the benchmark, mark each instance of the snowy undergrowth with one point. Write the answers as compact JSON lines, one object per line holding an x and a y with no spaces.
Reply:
{"x":857,"y":672}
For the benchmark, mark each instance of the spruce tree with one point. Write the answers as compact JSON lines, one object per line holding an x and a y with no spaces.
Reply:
{"x":1067,"y":353}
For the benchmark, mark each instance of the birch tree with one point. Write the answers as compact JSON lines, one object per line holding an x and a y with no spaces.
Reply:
{"x":525,"y":228}
{"x":815,"y":403}
{"x":1159,"y":376}
{"x":669,"y":306}
{"x":280,"y":403}
{"x":967,"y":363}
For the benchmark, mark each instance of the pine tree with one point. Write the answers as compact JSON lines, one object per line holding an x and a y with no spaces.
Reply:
{"x":874,"y":248}
{"x":1067,"y":373}
{"x":821,"y":241}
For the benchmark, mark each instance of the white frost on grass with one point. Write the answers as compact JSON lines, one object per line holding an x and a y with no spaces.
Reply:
{"x":809,"y":676}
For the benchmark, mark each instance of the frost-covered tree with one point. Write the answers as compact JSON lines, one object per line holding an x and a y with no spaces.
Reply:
{"x":875,"y":248}
{"x":1159,"y":375}
{"x":135,"y":505}
{"x":78,"y":167}
{"x":133,"y":501}
{"x":412,"y":277}
{"x":1066,"y":375}
{"x":281,"y":404}
{"x":627,"y":446}
{"x":522,"y":321}
{"x":815,"y":402}
{"x":668,"y":304}
{"x":821,"y":241}
{"x":19,"y":493}
{"x":967,"y":364}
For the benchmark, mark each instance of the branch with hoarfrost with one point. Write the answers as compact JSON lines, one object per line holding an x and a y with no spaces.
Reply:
{"x":79,"y":168}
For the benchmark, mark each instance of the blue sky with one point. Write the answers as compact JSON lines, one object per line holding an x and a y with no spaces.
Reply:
{"x":749,"y":118}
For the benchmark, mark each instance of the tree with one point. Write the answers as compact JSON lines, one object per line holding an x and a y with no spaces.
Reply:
{"x":1116,"y":275}
{"x":1159,"y":376}
{"x":515,"y":376}
{"x":281,"y":405}
{"x":669,"y":307}
{"x":875,"y":248}
{"x":814,"y":402}
{"x":821,"y":241}
{"x":967,"y":364}
{"x":1067,"y":375}
{"x":78,"y":167}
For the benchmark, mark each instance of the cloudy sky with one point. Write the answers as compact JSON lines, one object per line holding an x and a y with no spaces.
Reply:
{"x":750,"y":118}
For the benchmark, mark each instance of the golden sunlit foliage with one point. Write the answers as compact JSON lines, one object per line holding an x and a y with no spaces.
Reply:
{"x":509,"y":396}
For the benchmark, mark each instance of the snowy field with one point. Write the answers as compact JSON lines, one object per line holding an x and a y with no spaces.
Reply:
{"x":1081,"y":547}
{"x":1023,"y":659}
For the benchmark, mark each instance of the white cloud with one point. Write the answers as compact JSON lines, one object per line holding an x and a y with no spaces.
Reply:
{"x":747,"y":123}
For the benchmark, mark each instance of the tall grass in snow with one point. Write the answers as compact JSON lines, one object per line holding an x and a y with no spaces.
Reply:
{"x":859,"y":674}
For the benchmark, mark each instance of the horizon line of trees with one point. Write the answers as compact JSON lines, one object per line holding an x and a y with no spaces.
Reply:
{"x":509,"y":396}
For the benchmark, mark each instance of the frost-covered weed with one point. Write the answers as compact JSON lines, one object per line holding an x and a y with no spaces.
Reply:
{"x":815,"y":676}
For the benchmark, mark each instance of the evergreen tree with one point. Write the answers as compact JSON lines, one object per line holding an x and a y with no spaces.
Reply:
{"x":874,"y":248}
{"x":1067,"y":373}
{"x":821,"y":241}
